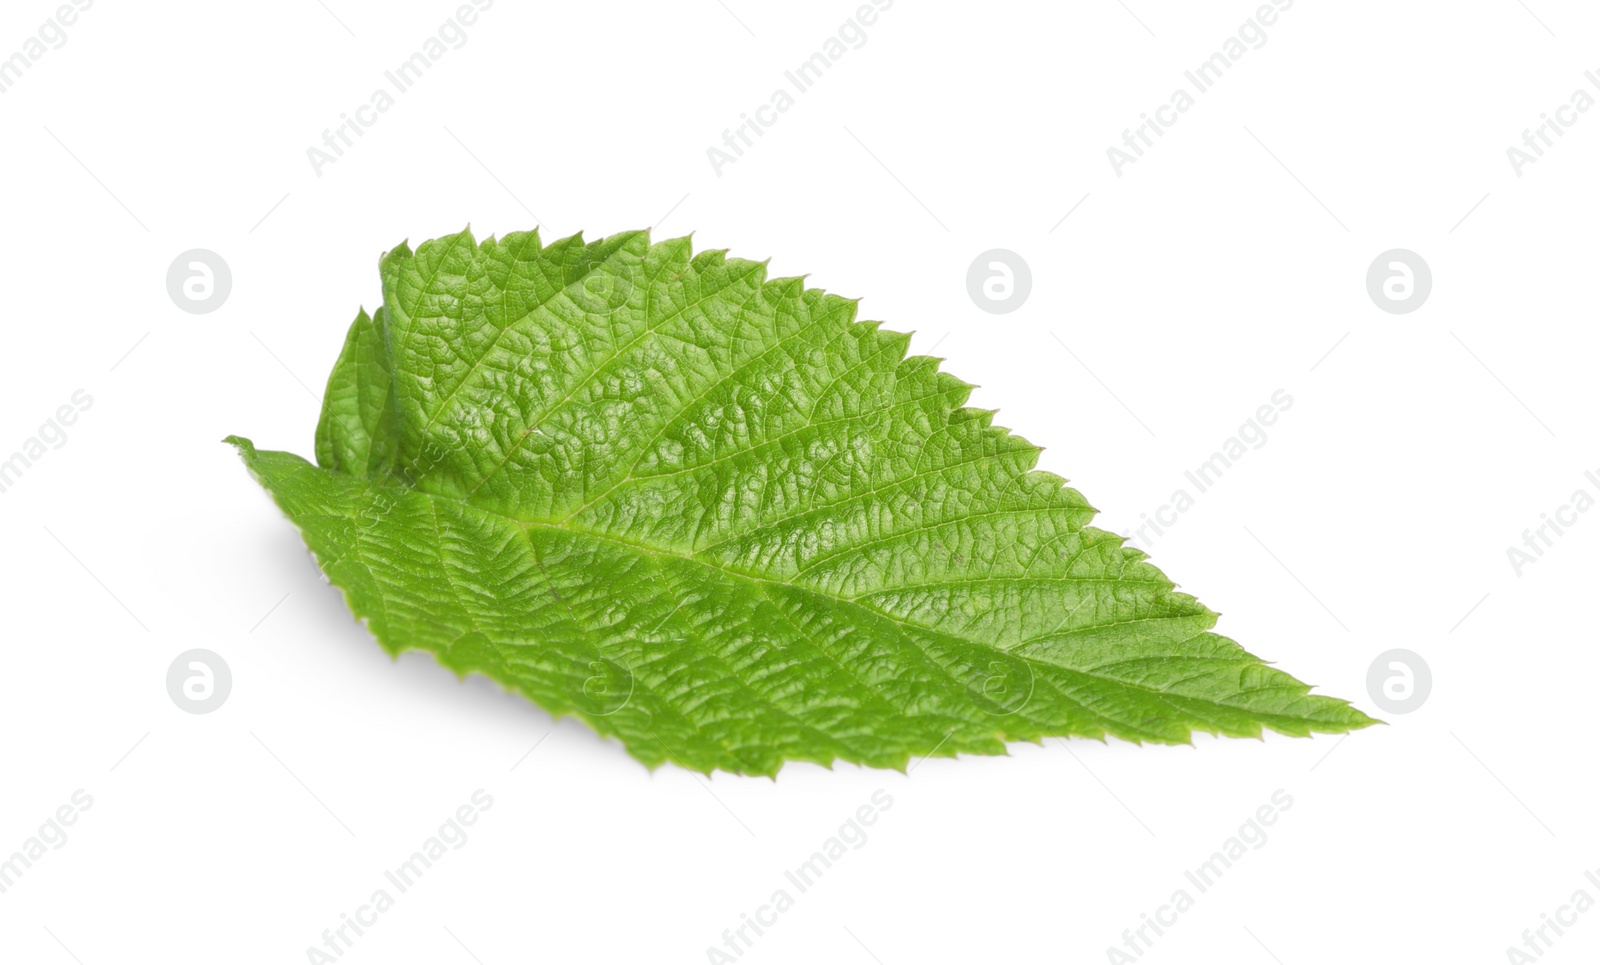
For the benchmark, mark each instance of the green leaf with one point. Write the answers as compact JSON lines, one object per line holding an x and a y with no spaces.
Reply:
{"x":715,"y":516}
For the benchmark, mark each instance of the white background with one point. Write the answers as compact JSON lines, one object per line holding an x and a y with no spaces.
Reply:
{"x":1225,"y":265}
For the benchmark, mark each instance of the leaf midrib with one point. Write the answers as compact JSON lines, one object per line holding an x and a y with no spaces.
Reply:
{"x":655,"y":552}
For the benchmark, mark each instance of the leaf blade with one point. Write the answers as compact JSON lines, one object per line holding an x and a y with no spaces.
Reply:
{"x":722,"y":520}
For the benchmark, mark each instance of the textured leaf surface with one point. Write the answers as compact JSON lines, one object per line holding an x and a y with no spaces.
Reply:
{"x":718,"y":518}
